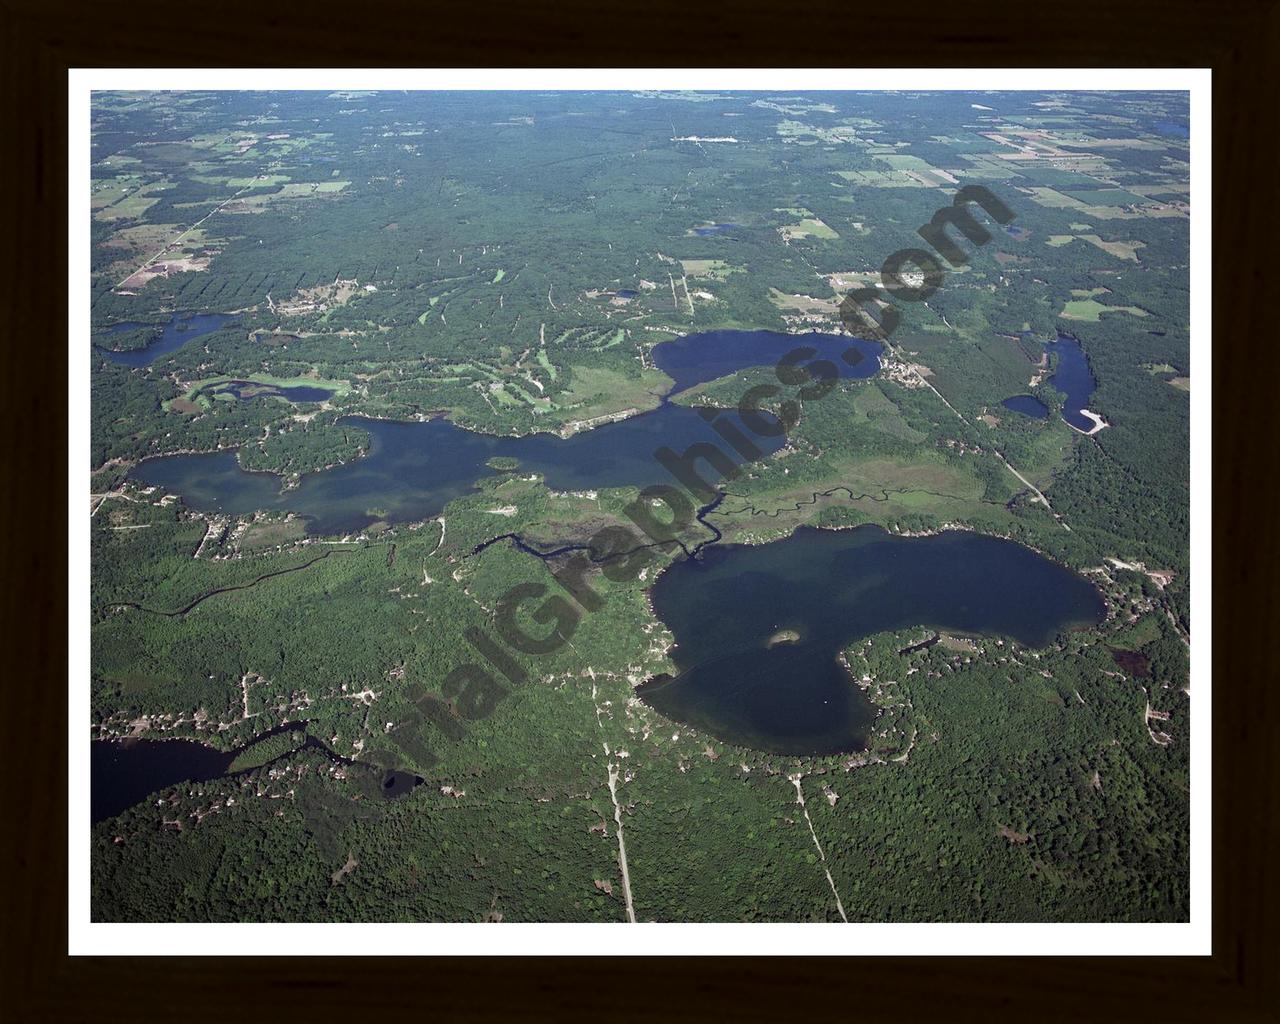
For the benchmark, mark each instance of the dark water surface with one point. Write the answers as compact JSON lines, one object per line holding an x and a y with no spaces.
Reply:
{"x":1028,"y":405}
{"x":177,"y":332}
{"x":698,"y":358}
{"x":398,"y":783}
{"x":828,"y":587}
{"x":124,"y":773}
{"x":414,"y":469}
{"x":832,"y":587}
{"x":1073,"y":378}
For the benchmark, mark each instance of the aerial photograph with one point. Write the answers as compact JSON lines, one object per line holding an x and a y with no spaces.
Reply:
{"x":638,"y":506}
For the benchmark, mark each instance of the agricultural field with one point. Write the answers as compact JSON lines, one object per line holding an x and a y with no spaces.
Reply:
{"x":1092,"y":310}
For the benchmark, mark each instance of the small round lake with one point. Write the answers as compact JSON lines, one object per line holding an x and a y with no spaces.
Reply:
{"x":759,"y":629}
{"x":704,"y":230}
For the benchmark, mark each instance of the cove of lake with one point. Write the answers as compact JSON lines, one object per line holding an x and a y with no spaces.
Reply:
{"x":1028,"y":405}
{"x":177,"y":332}
{"x":699,"y":358}
{"x":1072,"y":377}
{"x":414,"y":469}
{"x":122,"y":773}
{"x":830,"y":588}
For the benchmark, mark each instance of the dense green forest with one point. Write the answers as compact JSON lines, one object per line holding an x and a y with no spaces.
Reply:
{"x":509,"y":261}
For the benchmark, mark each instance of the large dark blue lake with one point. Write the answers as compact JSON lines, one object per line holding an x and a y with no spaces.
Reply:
{"x":122,"y":774}
{"x":414,"y":469}
{"x":698,"y":358}
{"x":831,"y":588}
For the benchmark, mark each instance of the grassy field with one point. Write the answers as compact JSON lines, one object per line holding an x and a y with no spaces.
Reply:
{"x":271,"y":534}
{"x":879,"y":490}
{"x":1122,"y":250}
{"x":1107,"y":197}
{"x":810,"y":226}
{"x":598,"y":391}
{"x":123,"y":199}
{"x":1091,"y":310}
{"x":293,"y":190}
{"x":881,"y":179}
{"x":714,"y":270}
{"x":803,"y":303}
